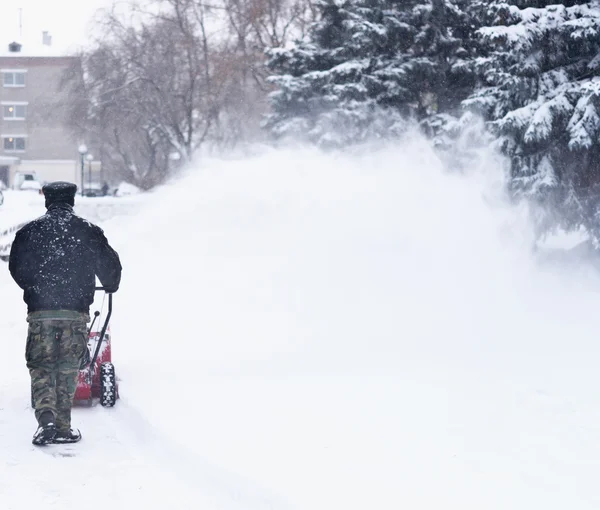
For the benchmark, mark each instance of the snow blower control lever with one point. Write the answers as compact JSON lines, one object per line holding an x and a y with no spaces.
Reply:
{"x":103,"y":332}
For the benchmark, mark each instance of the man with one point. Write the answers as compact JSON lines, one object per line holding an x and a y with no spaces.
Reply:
{"x":55,"y":260}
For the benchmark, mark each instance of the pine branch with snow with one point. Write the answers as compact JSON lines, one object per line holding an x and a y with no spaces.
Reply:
{"x":404,"y":60}
{"x":538,"y":87}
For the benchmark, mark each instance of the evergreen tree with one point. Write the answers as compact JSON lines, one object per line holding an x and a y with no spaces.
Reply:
{"x":540,"y":90}
{"x":368,"y":65}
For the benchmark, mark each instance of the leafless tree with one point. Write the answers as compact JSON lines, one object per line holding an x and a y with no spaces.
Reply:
{"x":169,"y":76}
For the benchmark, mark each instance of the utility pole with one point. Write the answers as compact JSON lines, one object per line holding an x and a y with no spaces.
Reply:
{"x":21,"y":25}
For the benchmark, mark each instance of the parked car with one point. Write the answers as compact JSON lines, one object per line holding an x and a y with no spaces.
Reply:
{"x":31,"y":186}
{"x":126,"y":189}
{"x":26,"y":181}
{"x":94,"y":189}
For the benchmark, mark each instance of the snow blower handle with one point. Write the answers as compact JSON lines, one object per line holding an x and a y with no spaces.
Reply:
{"x":103,"y":332}
{"x":105,"y":290}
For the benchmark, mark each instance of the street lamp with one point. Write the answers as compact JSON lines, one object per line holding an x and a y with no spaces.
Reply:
{"x":83,"y":151}
{"x":90,"y":158}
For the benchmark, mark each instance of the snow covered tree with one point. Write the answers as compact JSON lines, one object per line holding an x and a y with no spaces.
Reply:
{"x":167,"y":78}
{"x":367,"y":66}
{"x":540,"y":90}
{"x":145,"y":94}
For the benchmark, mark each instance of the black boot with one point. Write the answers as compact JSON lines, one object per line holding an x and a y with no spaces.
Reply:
{"x":46,"y":430}
{"x":67,"y":436}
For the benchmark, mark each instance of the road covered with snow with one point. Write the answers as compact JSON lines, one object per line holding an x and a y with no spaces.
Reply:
{"x":305,"y":331}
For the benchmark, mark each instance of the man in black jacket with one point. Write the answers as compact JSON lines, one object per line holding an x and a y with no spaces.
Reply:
{"x":55,"y":260}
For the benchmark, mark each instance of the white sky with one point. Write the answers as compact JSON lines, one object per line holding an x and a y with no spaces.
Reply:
{"x":68,"y":21}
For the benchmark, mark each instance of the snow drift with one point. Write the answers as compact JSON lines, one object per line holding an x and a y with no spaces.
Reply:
{"x":316,"y":331}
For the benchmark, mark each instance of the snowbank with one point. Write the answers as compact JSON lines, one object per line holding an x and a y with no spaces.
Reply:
{"x":21,"y":207}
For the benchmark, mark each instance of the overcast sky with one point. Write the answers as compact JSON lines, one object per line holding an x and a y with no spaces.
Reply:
{"x":66,"y":20}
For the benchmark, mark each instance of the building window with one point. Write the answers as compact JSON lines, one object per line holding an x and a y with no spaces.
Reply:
{"x":13,"y":78}
{"x":14,"y":111}
{"x":14,"y":143}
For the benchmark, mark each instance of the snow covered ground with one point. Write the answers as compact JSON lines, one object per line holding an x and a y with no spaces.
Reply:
{"x":306,"y":331}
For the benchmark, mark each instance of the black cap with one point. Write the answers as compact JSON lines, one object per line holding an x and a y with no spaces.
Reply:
{"x":60,"y":191}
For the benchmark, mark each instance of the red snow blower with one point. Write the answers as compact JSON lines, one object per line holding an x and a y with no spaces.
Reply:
{"x":97,"y":380}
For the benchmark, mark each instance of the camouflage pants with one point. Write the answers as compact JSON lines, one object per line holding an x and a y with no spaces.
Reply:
{"x":56,"y":344}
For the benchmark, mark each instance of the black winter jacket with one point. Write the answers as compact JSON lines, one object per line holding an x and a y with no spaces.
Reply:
{"x":56,"y":257}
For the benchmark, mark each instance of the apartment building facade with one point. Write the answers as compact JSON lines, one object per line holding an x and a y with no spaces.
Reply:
{"x":33,"y":135}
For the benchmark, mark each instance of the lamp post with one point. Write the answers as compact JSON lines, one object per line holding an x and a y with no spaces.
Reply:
{"x":82,"y":151}
{"x":90,"y":158}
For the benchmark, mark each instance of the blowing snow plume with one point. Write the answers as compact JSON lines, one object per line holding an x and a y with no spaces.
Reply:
{"x":360,"y":330}
{"x":355,"y":330}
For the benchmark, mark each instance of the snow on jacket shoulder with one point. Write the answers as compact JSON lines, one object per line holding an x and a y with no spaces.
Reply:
{"x":56,"y":258}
